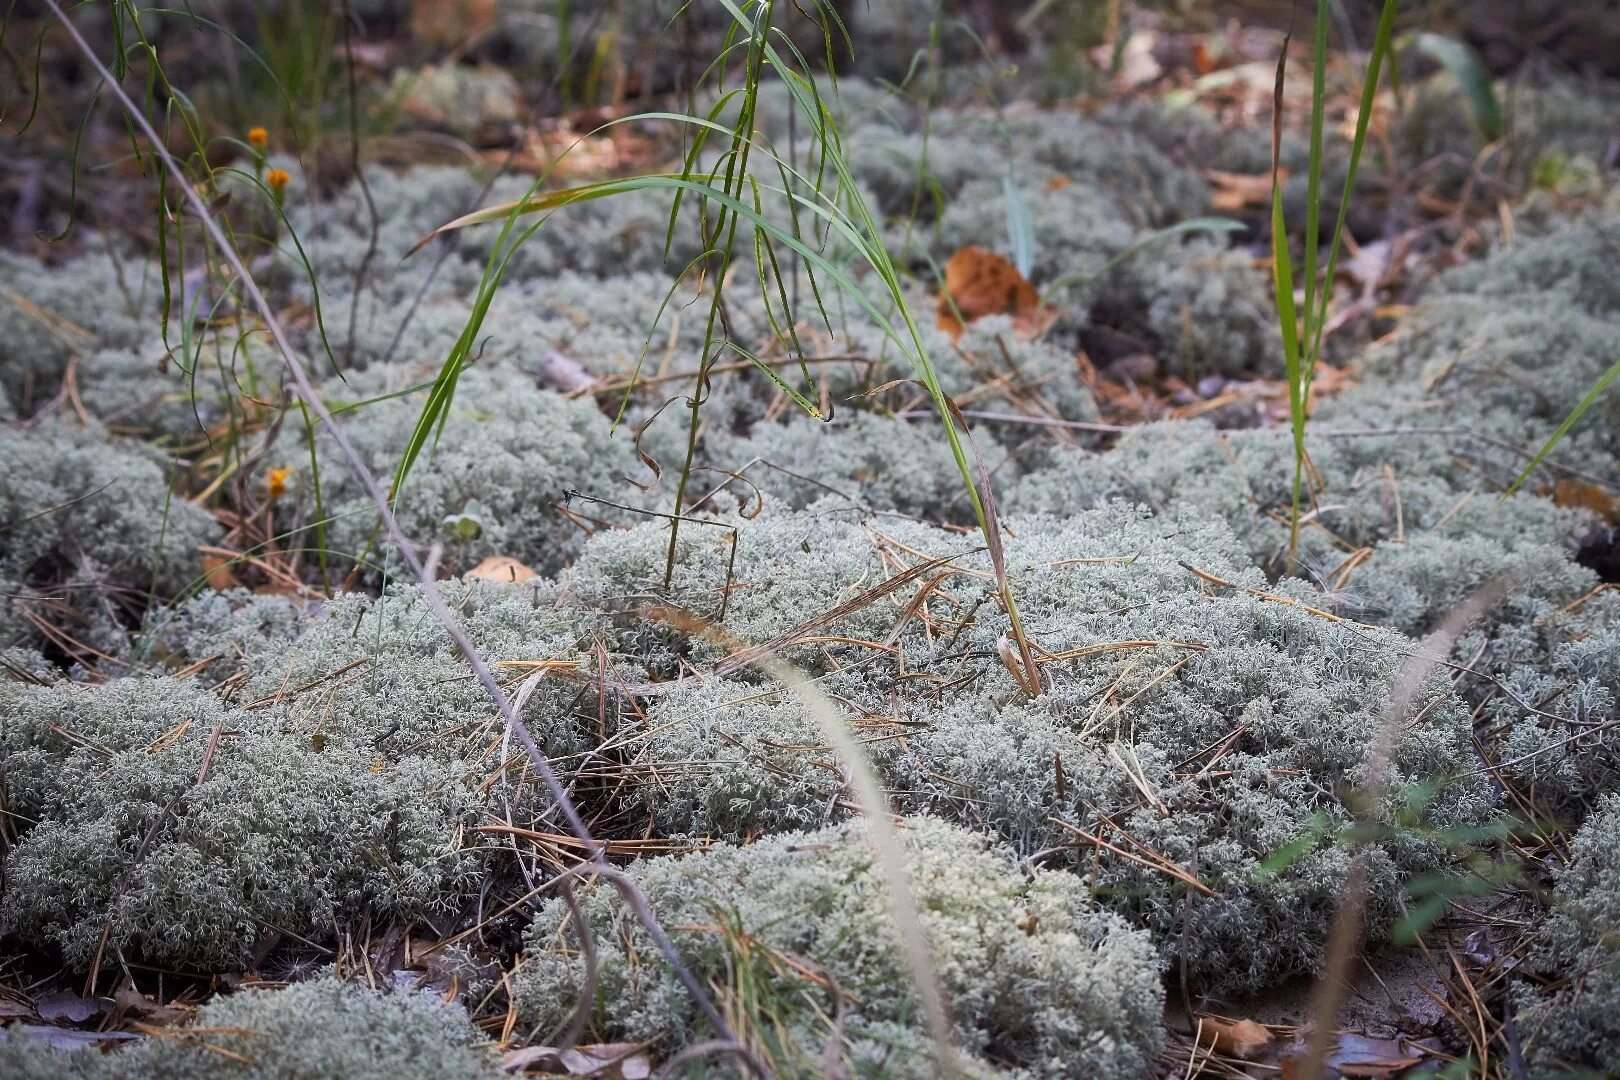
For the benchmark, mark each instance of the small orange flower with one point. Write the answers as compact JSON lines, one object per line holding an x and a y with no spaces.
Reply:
{"x":258,"y":138}
{"x":276,"y":482}
{"x":278,"y":179}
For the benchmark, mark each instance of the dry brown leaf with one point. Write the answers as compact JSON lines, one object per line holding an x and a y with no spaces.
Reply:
{"x":1363,"y":1056}
{"x":65,"y":1005}
{"x":499,"y":568}
{"x":1240,"y":191}
{"x":218,"y":574}
{"x":135,"y":1003}
{"x":1203,"y":61}
{"x":1358,"y":1056}
{"x":1241,"y":1038}
{"x":1134,"y":62}
{"x":980,"y":283}
{"x":606,"y":1061}
{"x":444,"y":24}
{"x":15,"y":1005}
{"x":279,"y":588}
{"x":1576,"y":494}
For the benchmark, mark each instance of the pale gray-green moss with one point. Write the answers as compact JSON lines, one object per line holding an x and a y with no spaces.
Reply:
{"x":1511,"y":345}
{"x":232,"y":629}
{"x":321,"y":1028}
{"x":1037,"y":980}
{"x":863,"y":460}
{"x":1571,"y":1022}
{"x":1556,"y":121}
{"x":1433,"y":533}
{"x":343,"y":777}
{"x":1374,"y":488}
{"x":382,"y":672}
{"x":490,"y":485}
{"x":50,"y":313}
{"x":78,"y":503}
{"x":768,"y":575}
{"x":1558,"y":723}
{"x":128,"y":854}
{"x":91,"y":532}
{"x":1215,"y":727}
{"x":730,"y":759}
{"x":1158,"y":671}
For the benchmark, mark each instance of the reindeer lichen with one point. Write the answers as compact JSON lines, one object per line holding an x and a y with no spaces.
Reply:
{"x":1033,"y":974}
{"x":1572,"y":1024}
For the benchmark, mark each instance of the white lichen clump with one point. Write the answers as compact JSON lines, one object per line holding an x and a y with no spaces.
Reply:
{"x":792,"y":929}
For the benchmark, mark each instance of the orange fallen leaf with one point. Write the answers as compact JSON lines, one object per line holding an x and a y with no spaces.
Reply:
{"x":217,"y":572}
{"x":499,"y":568}
{"x":1576,"y":494}
{"x":443,"y":24}
{"x":1203,"y":60}
{"x":980,"y":283}
{"x":1241,"y":1038}
{"x":1241,"y":191}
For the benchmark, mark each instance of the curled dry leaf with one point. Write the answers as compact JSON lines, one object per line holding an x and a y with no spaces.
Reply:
{"x":136,"y":1004}
{"x":980,"y":283}
{"x":1241,"y":191}
{"x":1240,"y":1038}
{"x":1576,"y":494}
{"x":444,"y":24}
{"x":1358,"y":1056}
{"x":218,"y":574}
{"x":499,"y":568}
{"x":607,"y":1061}
{"x":65,"y":1006}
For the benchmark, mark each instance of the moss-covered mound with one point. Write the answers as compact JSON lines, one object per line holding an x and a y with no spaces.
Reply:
{"x":333,"y":775}
{"x":1571,"y":1020}
{"x":795,"y":929}
{"x":171,"y":828}
{"x":493,"y":488}
{"x":1213,"y":725}
{"x":322,"y":1028}
{"x":91,"y":531}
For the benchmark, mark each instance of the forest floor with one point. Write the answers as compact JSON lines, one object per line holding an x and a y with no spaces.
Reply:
{"x":905,"y":606}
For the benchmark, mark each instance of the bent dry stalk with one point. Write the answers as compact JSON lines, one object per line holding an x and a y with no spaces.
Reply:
{"x":421,"y":569}
{"x":874,"y":805}
{"x":1345,"y":936}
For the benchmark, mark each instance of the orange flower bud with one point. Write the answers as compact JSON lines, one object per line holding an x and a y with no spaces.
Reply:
{"x":277,"y":179}
{"x":276,"y":482}
{"x":258,"y":138}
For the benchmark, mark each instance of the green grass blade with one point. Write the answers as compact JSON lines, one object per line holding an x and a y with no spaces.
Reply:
{"x":1369,"y":91}
{"x":1288,"y":320}
{"x":1598,"y":389}
{"x":1020,"y":229}
{"x":1313,"y":185}
{"x":1464,"y":65}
